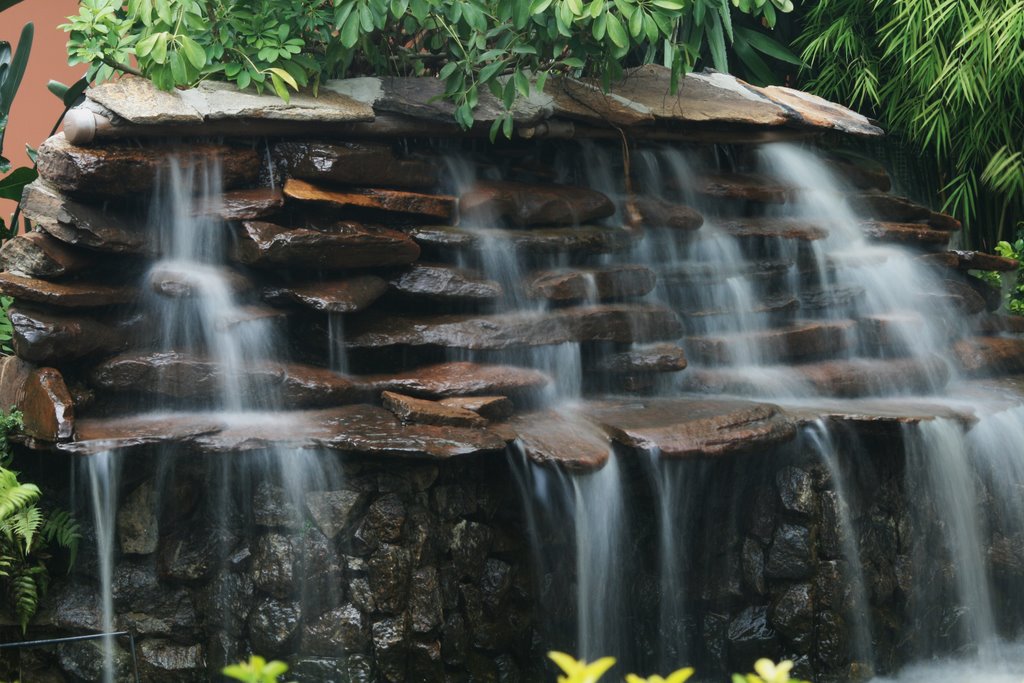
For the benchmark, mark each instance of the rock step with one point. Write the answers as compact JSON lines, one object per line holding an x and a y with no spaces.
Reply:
{"x":354,"y":163}
{"x":425,"y":411}
{"x":774,"y":228}
{"x":878,"y":414}
{"x":969,"y":260}
{"x":333,"y":247}
{"x":524,"y":204}
{"x":450,"y":380}
{"x":743,"y":187}
{"x":611,"y":322}
{"x":692,"y":427}
{"x":244,"y":205}
{"x":562,"y":438}
{"x":644,"y":359}
{"x":397,"y":204}
{"x":911,"y":234}
{"x":129,"y":170}
{"x":50,"y":338}
{"x":833,"y":299}
{"x":356,"y":429}
{"x":995,"y":324}
{"x":763,"y":274}
{"x":989,"y":356}
{"x":887,"y":207}
{"x":658,"y":213}
{"x":447,"y":241}
{"x":38,"y":255}
{"x":66,"y":294}
{"x":839,"y":378}
{"x":81,"y":225}
{"x":331,"y":296}
{"x":800,"y":341}
{"x":439,"y":283}
{"x":591,"y":284}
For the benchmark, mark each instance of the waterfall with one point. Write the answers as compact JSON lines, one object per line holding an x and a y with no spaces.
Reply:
{"x":102,"y":471}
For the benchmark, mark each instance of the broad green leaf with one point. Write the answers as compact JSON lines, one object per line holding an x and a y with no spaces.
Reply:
{"x":14,"y":182}
{"x":193,"y":52}
{"x":768,"y":45}
{"x":616,"y":32}
{"x":16,"y":69}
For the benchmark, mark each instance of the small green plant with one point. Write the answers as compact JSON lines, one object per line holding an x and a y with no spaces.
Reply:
{"x":256,"y":670}
{"x":1015,"y":295}
{"x":27,"y":533}
{"x":580,"y":671}
{"x":506,"y":47}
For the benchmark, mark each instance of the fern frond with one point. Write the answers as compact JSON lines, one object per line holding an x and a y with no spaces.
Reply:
{"x":62,"y":528}
{"x":24,"y":598}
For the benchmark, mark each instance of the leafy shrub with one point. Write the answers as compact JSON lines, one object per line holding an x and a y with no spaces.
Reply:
{"x":472,"y":45}
{"x":1015,"y":295}
{"x":579,"y":671}
{"x":256,"y":670}
{"x":26,"y":534}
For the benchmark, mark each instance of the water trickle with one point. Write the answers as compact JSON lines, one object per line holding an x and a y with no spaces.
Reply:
{"x":102,"y":471}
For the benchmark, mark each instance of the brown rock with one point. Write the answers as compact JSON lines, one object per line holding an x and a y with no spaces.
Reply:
{"x":970,"y":260}
{"x":563,"y":438}
{"x":592,"y":284}
{"x":693,"y":427}
{"x":423,"y":411}
{"x":612,"y":322}
{"x":67,"y":295}
{"x":309,"y":385}
{"x":744,"y":187}
{"x":37,"y":254}
{"x":49,"y":338}
{"x":401,"y":202}
{"x":332,"y":296}
{"x":886,"y":207}
{"x":81,"y":225}
{"x":245,"y":205}
{"x":137,"y":100}
{"x":990,"y":355}
{"x":124,"y":169}
{"x":14,"y":373}
{"x":489,"y":407}
{"x":962,"y":297}
{"x":775,"y":228}
{"x":862,"y":174}
{"x":800,"y":341}
{"x":913,"y":234}
{"x":168,"y":280}
{"x":375,"y":431}
{"x":589,"y":101}
{"x":46,"y":406}
{"x":447,"y":380}
{"x":354,"y":163}
{"x":434,"y":282}
{"x":997,"y":324}
{"x":842,"y":378}
{"x":817,"y":112}
{"x":522,"y":204}
{"x":342,"y":245}
{"x":645,"y":359}
{"x":581,"y":240}
{"x":658,"y":213}
{"x":122,"y":433}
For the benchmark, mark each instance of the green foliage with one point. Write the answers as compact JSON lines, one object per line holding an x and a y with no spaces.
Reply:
{"x":506,"y":47}
{"x":12,"y":70}
{"x":256,"y":670}
{"x":6,"y":329}
{"x":581,"y":671}
{"x":1015,"y":295}
{"x":944,"y":74}
{"x":27,"y":533}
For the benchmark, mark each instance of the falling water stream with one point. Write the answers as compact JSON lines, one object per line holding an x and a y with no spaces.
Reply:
{"x":720,"y":290}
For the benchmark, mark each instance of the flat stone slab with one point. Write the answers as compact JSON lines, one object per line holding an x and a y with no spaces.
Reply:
{"x":48,"y":411}
{"x":581,"y":240}
{"x":56,"y":338}
{"x":802,"y":340}
{"x":425,"y":411}
{"x":887,"y":207}
{"x":912,"y":234}
{"x":82,"y":225}
{"x":354,"y":163}
{"x":96,"y":435}
{"x":561,"y":438}
{"x":401,"y":202}
{"x":693,"y":427}
{"x":446,"y":380}
{"x":245,"y":205}
{"x":742,"y":187}
{"x":818,"y":112}
{"x":177,"y":280}
{"x":215,"y":100}
{"x":980,"y":356}
{"x":36,"y":254}
{"x":779,"y":228}
{"x":443,"y":283}
{"x":330,"y":296}
{"x":612,"y":322}
{"x":524,"y":204}
{"x":488,"y":407}
{"x":654,"y":358}
{"x":339,"y":246}
{"x":137,"y":100}
{"x":122,"y":169}
{"x":970,"y":260}
{"x":869,"y":412}
{"x":592,"y":284}
{"x":67,"y":294}
{"x":182,"y":376}
{"x":658,"y":213}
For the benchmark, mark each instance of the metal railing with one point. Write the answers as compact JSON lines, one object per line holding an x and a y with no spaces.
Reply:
{"x":17,"y":645}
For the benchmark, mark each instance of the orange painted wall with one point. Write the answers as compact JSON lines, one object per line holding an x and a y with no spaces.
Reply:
{"x":35,"y":110}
